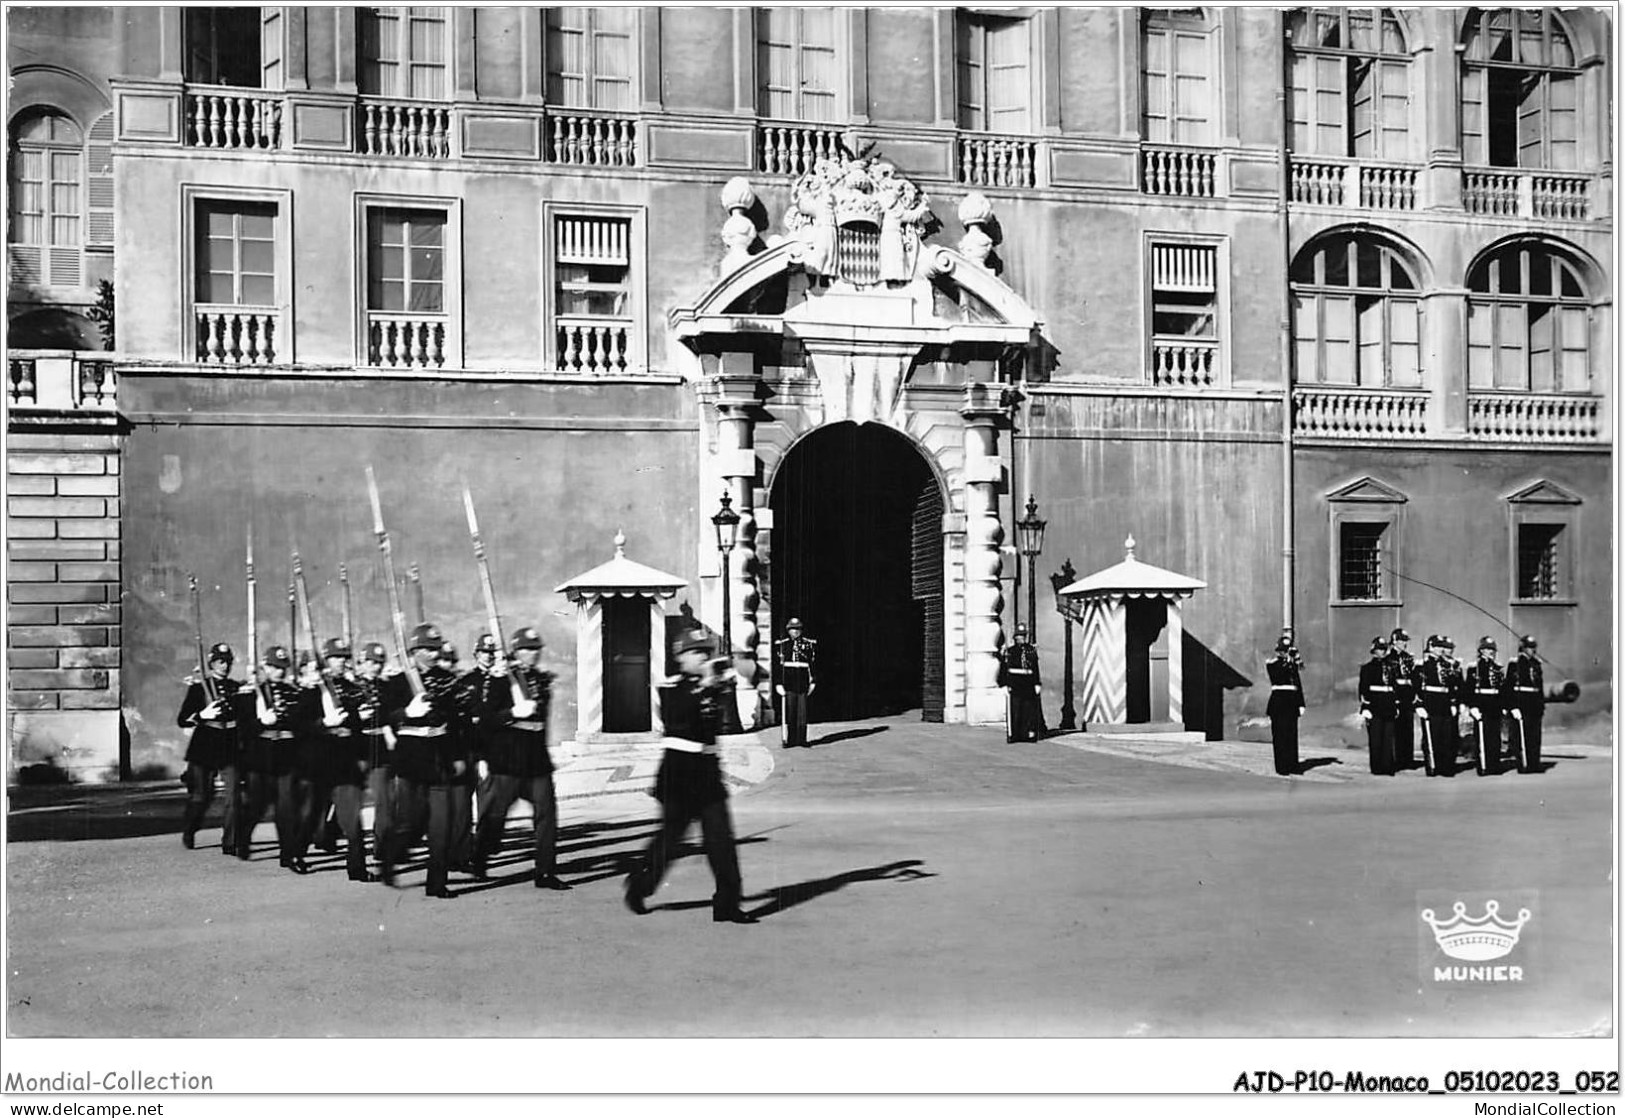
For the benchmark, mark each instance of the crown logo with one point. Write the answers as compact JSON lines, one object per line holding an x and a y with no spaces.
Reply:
{"x":1476,"y":940}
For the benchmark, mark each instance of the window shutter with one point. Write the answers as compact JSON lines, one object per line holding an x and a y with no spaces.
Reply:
{"x":1009,"y":85}
{"x":1480,"y":345}
{"x":271,"y":24}
{"x":972,"y":82}
{"x":25,"y":264}
{"x":1575,"y":375}
{"x":1404,"y":344}
{"x":99,"y":183}
{"x":585,"y":240}
{"x":1394,"y":111}
{"x":1473,"y":147}
{"x":64,"y":266}
{"x":1564,"y":122}
{"x":1532,"y":123}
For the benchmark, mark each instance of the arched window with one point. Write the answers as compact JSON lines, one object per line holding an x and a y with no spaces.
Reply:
{"x":1520,"y":90}
{"x":1177,"y":71}
{"x":1356,"y":314}
{"x":1528,"y":322}
{"x":45,"y":232}
{"x":1350,"y":83}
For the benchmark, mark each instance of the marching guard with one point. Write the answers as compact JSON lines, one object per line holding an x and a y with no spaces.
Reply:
{"x":1404,"y":676}
{"x":211,"y":712}
{"x":796,"y":655}
{"x":1286,"y":704}
{"x":689,"y":784}
{"x":1436,"y":689}
{"x":512,"y":705}
{"x":378,"y":740}
{"x":1526,"y":695}
{"x":345,"y":739}
{"x":277,"y":710}
{"x":1018,"y":675}
{"x":1377,"y":707}
{"x":1483,"y":694}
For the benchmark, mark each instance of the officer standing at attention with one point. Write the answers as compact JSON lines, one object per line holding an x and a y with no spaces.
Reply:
{"x":796,"y":654}
{"x":689,"y":784}
{"x":1526,"y":695}
{"x":213,"y":748}
{"x":1436,"y":687}
{"x":1018,"y":675}
{"x":512,"y":706}
{"x":1404,"y":674}
{"x":1483,"y":693}
{"x":1377,"y":706}
{"x":1286,"y":704}
{"x":427,"y":762}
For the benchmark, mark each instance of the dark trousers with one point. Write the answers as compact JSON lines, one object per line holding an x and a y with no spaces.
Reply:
{"x":296,"y":797}
{"x":1024,"y":719}
{"x":1379,"y":736}
{"x":795,"y":718}
{"x":1487,"y":741}
{"x":716,"y":829}
{"x":1439,"y":739}
{"x":259,"y":793}
{"x":199,"y":795}
{"x":497,"y":794}
{"x":347,"y":813}
{"x":1526,"y":733}
{"x":460,"y":845}
{"x":421,"y":806}
{"x":1405,"y":737}
{"x":1284,"y":735}
{"x":383,"y":787}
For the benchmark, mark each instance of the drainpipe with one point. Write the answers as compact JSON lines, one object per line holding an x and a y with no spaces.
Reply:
{"x":1288,"y":353}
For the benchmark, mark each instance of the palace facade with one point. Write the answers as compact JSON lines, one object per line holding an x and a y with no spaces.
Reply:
{"x":1314,"y":304}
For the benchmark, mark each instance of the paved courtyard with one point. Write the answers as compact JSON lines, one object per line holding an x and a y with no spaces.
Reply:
{"x":912,"y":880}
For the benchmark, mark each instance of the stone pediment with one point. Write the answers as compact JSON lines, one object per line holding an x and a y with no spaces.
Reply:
{"x":1367,"y":489}
{"x":1543,"y":492}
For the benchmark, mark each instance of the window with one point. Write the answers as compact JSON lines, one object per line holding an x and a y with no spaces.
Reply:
{"x":404,"y":53}
{"x":235,"y":295}
{"x":595,"y":305}
{"x":45,"y":231}
{"x":994,"y":55}
{"x":799,"y":62}
{"x":1544,"y":520}
{"x":406,"y":260}
{"x":1360,"y":561}
{"x":1528,"y":322}
{"x":1520,"y":90}
{"x":1356,"y":318}
{"x":234,"y":46}
{"x":1185,"y":312}
{"x":1350,"y":83}
{"x":410,"y":301}
{"x":590,"y":57}
{"x":236,"y":258}
{"x":1539,"y":561}
{"x":1177,"y":70}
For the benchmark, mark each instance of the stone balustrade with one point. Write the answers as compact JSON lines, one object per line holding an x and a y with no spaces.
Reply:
{"x":784,"y":148}
{"x":1180,"y":172}
{"x":233,"y":335}
{"x":406,"y":341}
{"x":595,"y":140}
{"x":232,"y":120}
{"x":1526,"y":194}
{"x":592,"y":346}
{"x":1371,"y":413}
{"x":61,"y":381}
{"x":406,"y":129}
{"x":1184,"y":362}
{"x":1532,"y":417}
{"x":1322,"y":181}
{"x":996,"y":161}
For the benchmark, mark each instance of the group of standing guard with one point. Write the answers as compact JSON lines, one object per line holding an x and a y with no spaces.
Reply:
{"x":342,"y":729}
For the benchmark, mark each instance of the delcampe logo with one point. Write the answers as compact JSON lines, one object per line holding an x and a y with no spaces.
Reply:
{"x":1474,"y":941}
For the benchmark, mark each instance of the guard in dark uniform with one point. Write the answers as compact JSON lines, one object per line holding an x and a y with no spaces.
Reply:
{"x":1483,"y":693}
{"x":213,"y":748}
{"x":460,"y":851}
{"x":512,"y":707}
{"x":301,"y":794}
{"x":1436,"y":687}
{"x":1286,"y":704}
{"x":345,"y":754}
{"x":1404,"y":674}
{"x":1526,"y":699}
{"x":1377,"y":707}
{"x":689,"y":784}
{"x":1018,"y":675}
{"x":428,"y":761}
{"x":378,"y":739}
{"x":278,"y":712}
{"x":796,"y":655}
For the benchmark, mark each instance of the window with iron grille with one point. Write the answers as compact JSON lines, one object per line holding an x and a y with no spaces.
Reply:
{"x":1540,"y":575}
{"x":1359,"y":561}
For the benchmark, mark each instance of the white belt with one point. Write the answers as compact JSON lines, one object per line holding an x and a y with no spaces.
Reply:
{"x":1438,"y":690}
{"x":1284,"y":687}
{"x":423,"y":731}
{"x":375,"y":731}
{"x":276,"y":735}
{"x":1488,"y":691}
{"x":1378,"y":687}
{"x":683,"y":745}
{"x":1536,"y":690}
{"x":528,"y":726}
{"x":1019,"y":671}
{"x":794,"y":664}
{"x":337,"y":731}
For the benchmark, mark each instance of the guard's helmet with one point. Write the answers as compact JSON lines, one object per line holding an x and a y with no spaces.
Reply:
{"x":1486,"y":643}
{"x":486,"y":643}
{"x":1399,"y":635}
{"x":277,"y":657}
{"x":1528,"y":642}
{"x":335,"y":646}
{"x":1379,"y":644}
{"x":427,"y":636}
{"x":527,"y":638}
{"x":691,"y":641}
{"x":1284,"y":644}
{"x":221,"y":651}
{"x":374,"y":651}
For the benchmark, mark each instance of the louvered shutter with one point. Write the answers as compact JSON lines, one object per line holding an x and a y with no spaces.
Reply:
{"x":99,"y":184}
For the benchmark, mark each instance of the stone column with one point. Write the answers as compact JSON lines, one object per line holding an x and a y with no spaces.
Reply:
{"x":984,"y":535}
{"x":1445,"y":349}
{"x":736,"y":460}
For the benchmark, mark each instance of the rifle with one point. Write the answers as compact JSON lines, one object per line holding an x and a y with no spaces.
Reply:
{"x":210,"y":693}
{"x":330,"y":701}
{"x":344,"y":608}
{"x":293,"y":622}
{"x":521,"y":688}
{"x":395,"y":614}
{"x":417,"y":590}
{"x":262,"y":702}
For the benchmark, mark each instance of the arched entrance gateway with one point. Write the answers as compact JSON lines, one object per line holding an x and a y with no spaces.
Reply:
{"x":854,"y":381}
